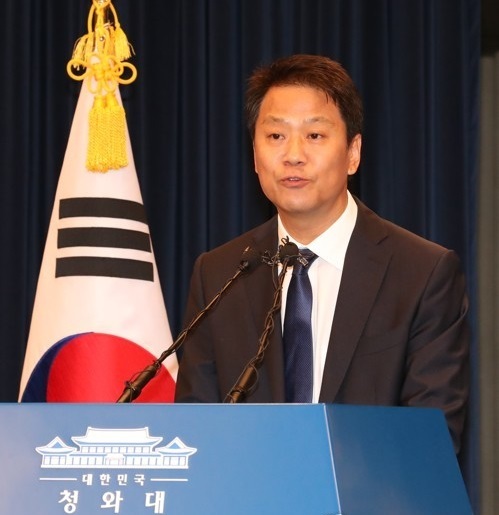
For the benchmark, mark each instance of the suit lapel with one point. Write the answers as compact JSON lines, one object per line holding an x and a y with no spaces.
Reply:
{"x":366,"y":262}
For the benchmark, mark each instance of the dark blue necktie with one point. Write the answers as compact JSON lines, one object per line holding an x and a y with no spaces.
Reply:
{"x":297,"y":334}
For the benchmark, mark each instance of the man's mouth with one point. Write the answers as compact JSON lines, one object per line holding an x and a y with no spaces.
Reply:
{"x":294,"y":179}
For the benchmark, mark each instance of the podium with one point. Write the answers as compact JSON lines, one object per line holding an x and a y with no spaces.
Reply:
{"x":216,"y":459}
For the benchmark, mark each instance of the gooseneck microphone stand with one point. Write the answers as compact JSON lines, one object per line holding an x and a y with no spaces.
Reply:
{"x":288,"y":253}
{"x":134,"y":387}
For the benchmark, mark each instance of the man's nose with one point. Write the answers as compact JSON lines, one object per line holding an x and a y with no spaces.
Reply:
{"x":295,"y":153}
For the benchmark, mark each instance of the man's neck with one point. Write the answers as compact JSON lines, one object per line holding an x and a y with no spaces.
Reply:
{"x":305,"y":229}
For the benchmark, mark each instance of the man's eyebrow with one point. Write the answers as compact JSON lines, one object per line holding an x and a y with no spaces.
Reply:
{"x":274,"y":119}
{"x":314,"y":119}
{"x":320,"y":119}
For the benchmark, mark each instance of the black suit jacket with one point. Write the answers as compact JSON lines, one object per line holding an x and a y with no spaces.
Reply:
{"x":399,"y":335}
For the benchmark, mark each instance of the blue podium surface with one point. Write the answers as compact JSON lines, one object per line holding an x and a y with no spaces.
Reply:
{"x":242,"y":459}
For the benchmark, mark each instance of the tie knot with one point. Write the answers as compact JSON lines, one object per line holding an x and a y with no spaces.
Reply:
{"x":301,"y":268}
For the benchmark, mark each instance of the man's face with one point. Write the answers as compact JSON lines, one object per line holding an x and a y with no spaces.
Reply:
{"x":302,"y":157}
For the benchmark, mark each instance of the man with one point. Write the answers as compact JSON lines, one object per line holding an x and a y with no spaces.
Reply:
{"x":389,"y":308}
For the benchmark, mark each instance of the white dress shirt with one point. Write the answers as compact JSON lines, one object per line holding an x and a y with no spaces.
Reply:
{"x":325,"y":276}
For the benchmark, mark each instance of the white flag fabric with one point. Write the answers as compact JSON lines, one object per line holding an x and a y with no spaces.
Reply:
{"x":99,"y":315}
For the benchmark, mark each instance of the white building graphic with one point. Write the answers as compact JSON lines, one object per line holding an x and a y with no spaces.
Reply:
{"x":116,"y":448}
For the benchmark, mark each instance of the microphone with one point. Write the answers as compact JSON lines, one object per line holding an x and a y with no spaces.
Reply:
{"x":287,"y":255}
{"x":133,"y":388}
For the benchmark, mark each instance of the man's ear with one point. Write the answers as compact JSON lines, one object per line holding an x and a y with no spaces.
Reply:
{"x":354,"y":154}
{"x":254,"y":158}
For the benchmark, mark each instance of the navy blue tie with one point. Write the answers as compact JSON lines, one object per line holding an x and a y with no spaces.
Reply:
{"x":297,"y":333}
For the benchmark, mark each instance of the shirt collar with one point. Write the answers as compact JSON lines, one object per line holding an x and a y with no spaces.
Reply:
{"x":331,"y":245}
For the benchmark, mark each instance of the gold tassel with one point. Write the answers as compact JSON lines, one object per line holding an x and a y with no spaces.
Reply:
{"x":107,"y":135}
{"x":101,"y":53}
{"x":79,"y":52}
{"x":122,"y":47}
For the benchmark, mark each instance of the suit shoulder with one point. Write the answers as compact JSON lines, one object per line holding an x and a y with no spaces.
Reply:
{"x":413,"y":240}
{"x":383,"y":231}
{"x":257,"y":238}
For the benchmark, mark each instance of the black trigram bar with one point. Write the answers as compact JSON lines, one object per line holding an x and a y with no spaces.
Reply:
{"x":103,"y":237}
{"x":102,"y":207}
{"x":104,"y":267}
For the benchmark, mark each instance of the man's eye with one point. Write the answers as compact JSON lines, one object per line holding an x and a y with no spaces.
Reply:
{"x":275,"y":136}
{"x":315,"y":135}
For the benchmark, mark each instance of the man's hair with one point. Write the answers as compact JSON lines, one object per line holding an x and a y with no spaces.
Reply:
{"x":312,"y":71}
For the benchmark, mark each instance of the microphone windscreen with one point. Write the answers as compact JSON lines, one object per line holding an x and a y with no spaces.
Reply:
{"x":289,"y":252}
{"x":250,"y":259}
